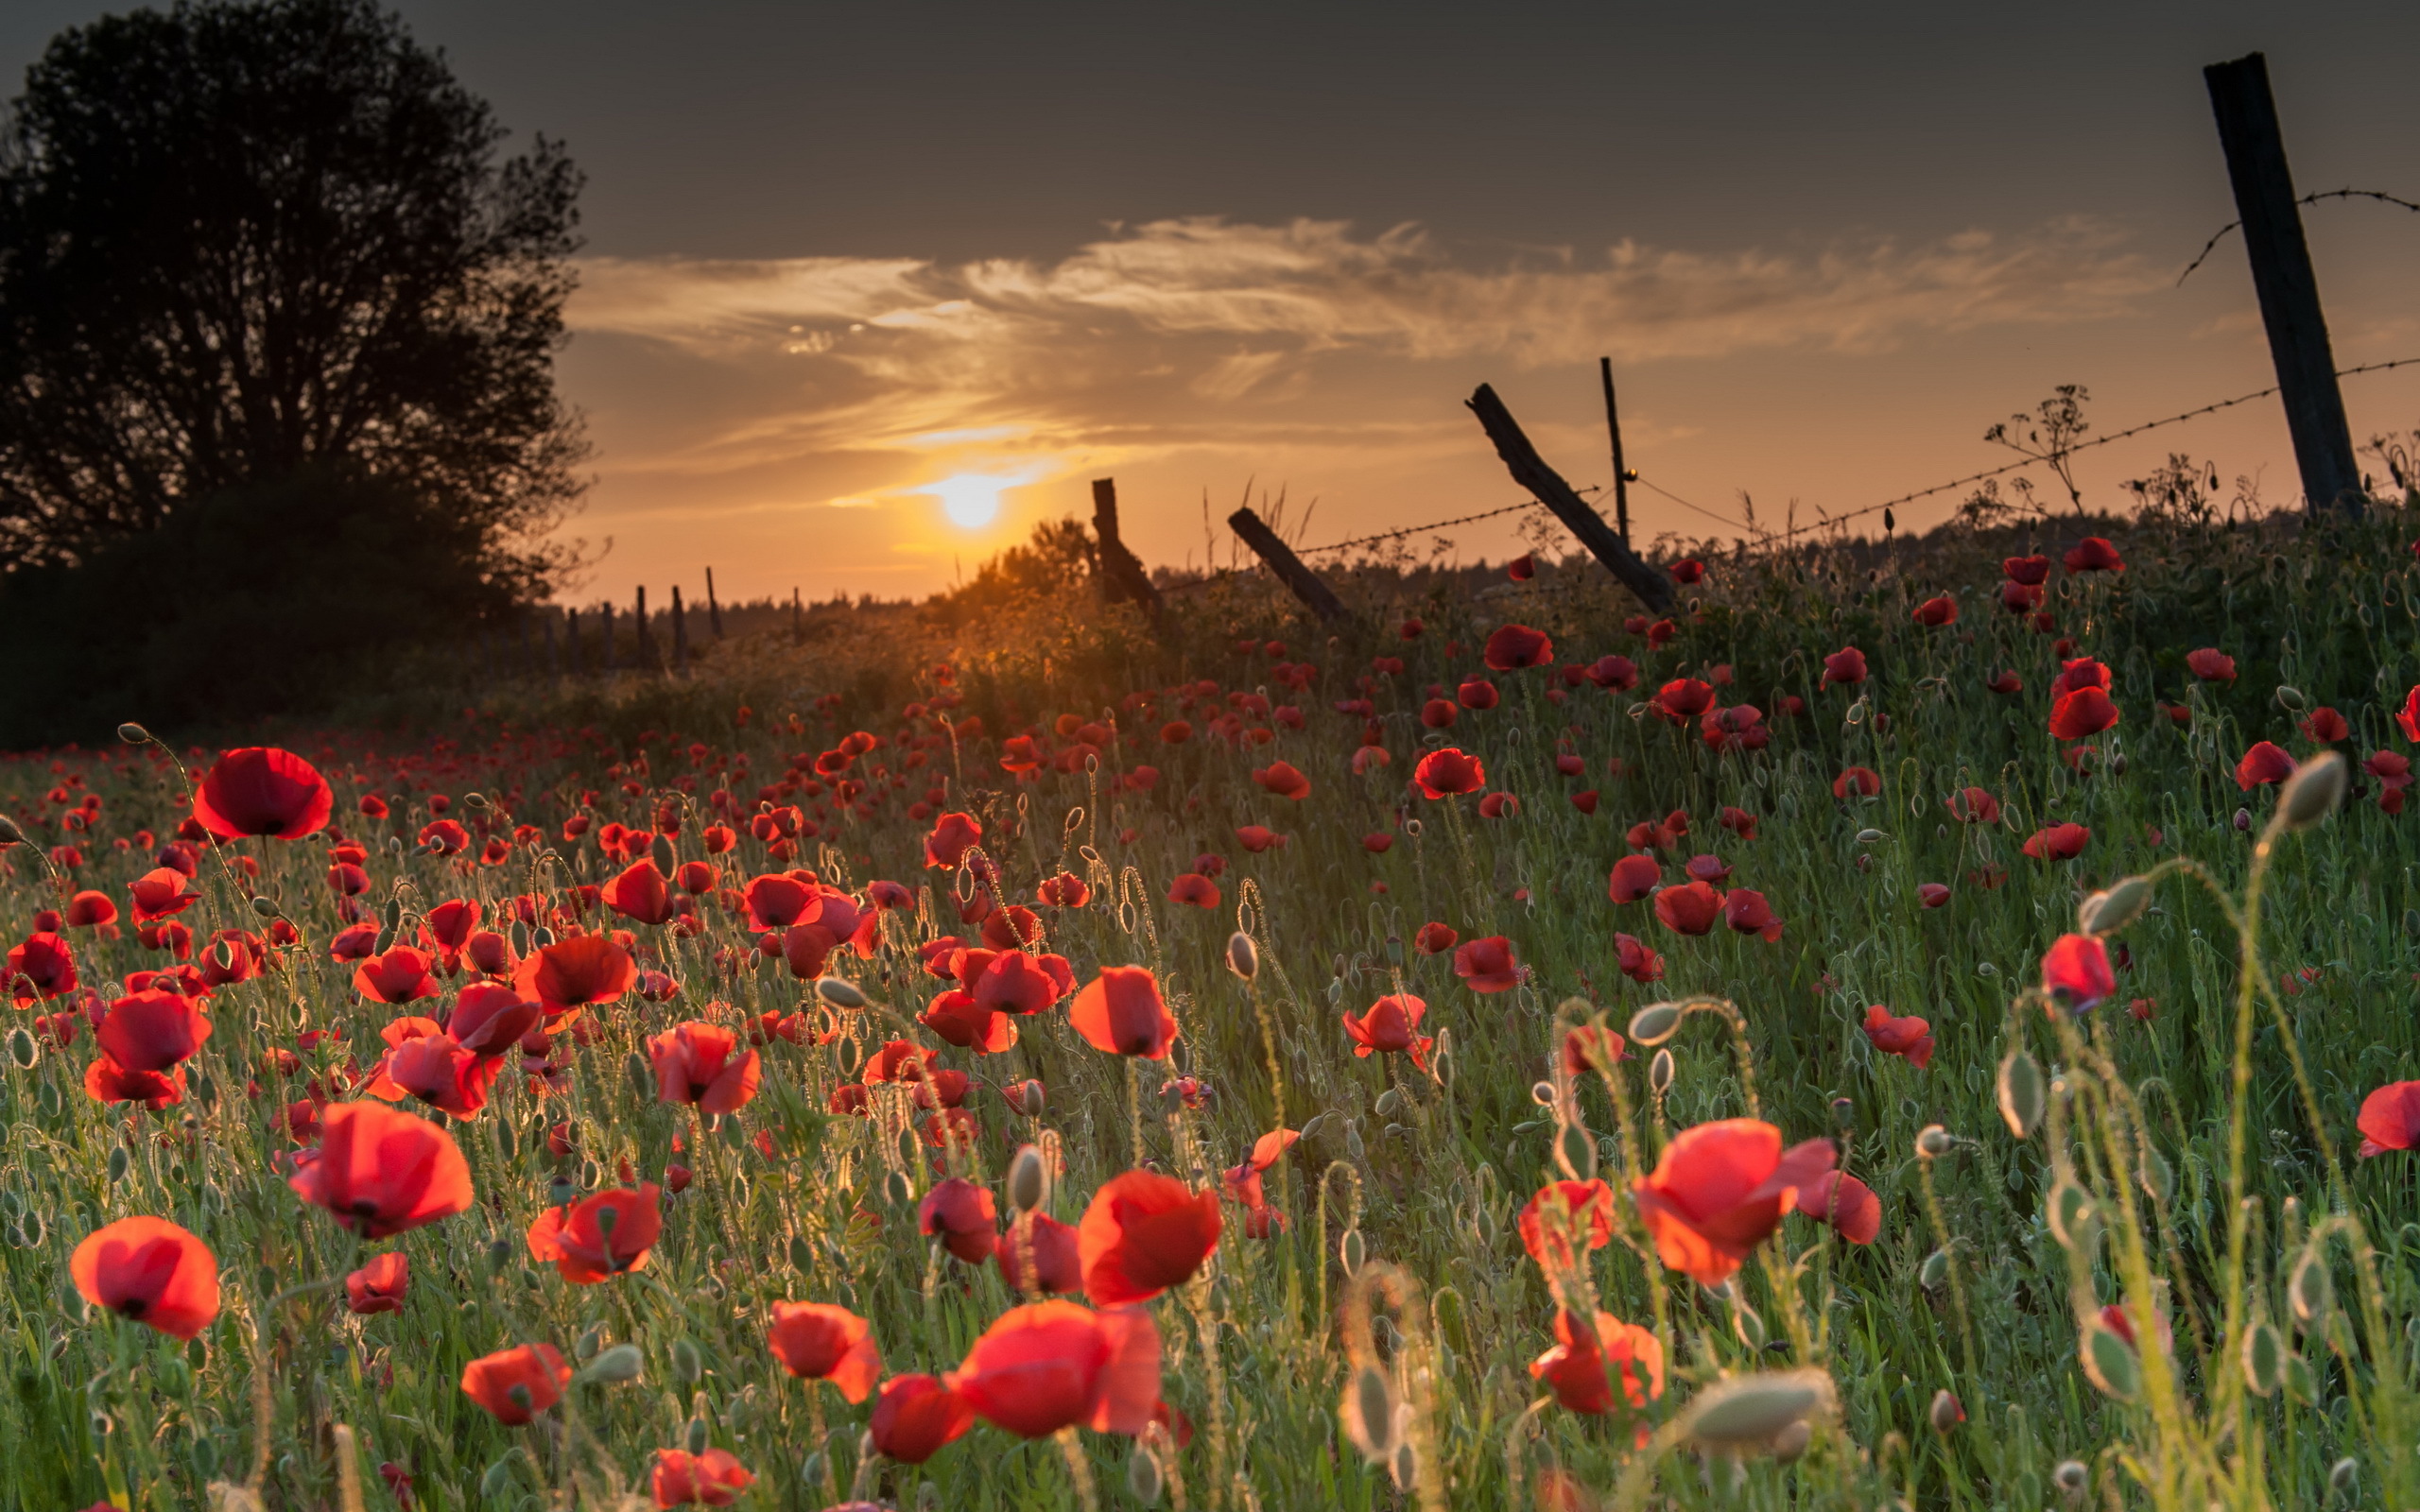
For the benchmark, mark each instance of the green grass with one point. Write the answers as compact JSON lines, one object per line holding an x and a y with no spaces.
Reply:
{"x":98,"y":1408}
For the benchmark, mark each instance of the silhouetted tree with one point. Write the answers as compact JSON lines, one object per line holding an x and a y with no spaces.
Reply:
{"x":244,"y":242}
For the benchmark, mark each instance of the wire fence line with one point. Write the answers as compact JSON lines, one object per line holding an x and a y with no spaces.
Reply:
{"x":1827,"y":522}
{"x":2219,"y":235}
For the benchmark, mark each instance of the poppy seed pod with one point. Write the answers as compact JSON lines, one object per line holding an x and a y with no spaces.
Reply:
{"x":2313,"y":792}
{"x":2310,"y":1291}
{"x":1243,"y":957}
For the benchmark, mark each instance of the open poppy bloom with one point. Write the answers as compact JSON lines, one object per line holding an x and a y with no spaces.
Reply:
{"x":1911,"y":1036}
{"x":1143,"y":1234}
{"x":574,"y":973}
{"x":2210,"y":664}
{"x":1937,"y":612}
{"x":817,"y":1341}
{"x":1683,"y":699}
{"x":1578,"y":1369}
{"x":516,"y":1385}
{"x":1565,"y":1221}
{"x":488,"y":1019}
{"x":1512,"y":647}
{"x":2390,"y":1119}
{"x":1243,"y":1182}
{"x":1845,"y":1203}
{"x":439,"y":1071}
{"x":2092,"y":554}
{"x":2081,"y":711}
{"x":2031,"y":571}
{"x":600,"y":1236}
{"x":1861,"y":781}
{"x":382,"y":1171}
{"x":714,"y":1478}
{"x":1846,"y":665}
{"x":1720,"y":1189}
{"x":1973,"y":805}
{"x":2076,"y":974}
{"x":1283,"y":779}
{"x":1391,"y":1025}
{"x":1689,"y":908}
{"x":1048,"y":1366}
{"x":1040,"y":1254}
{"x":1747,"y":912}
{"x":1487,"y":965}
{"x":1449,"y":773}
{"x":161,"y":892}
{"x":1192,"y":887}
{"x":640,"y":894}
{"x":398,"y":976}
{"x":915,"y":1417}
{"x":1121,"y":1011}
{"x":2058,"y":842}
{"x":1434,"y":938}
{"x":952,"y":837}
{"x":152,"y":1030}
{"x":264,"y":791}
{"x":40,"y":968}
{"x":961,"y":1215}
{"x":2408,"y":716}
{"x":151,"y":1271}
{"x":1634,"y":878}
{"x":379,"y":1286}
{"x":698,"y":1064}
{"x":2264,"y":764}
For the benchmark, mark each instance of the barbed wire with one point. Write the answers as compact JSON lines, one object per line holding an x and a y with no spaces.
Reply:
{"x":1441,"y":525}
{"x":2210,"y":246}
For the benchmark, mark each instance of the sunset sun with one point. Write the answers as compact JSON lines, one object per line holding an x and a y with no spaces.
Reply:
{"x":972,"y":500}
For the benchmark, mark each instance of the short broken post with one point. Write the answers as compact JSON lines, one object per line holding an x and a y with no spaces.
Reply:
{"x":714,"y":606}
{"x":680,"y":636}
{"x":1290,"y":568}
{"x":1122,"y":572}
{"x":1652,"y":586}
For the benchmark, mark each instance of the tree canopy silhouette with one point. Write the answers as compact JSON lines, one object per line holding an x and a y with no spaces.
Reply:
{"x":246,"y":242}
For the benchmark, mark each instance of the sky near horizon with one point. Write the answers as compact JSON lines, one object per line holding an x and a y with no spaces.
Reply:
{"x":869,"y":292}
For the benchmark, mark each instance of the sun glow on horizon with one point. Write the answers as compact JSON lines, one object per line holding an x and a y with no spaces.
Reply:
{"x":972,"y":500}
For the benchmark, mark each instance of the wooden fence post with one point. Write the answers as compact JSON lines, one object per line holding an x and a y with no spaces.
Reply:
{"x":1120,"y":567}
{"x":2282,"y":277}
{"x":554,"y":655}
{"x":1652,"y":588}
{"x":798,"y":620}
{"x":680,"y":636}
{"x":644,"y":636}
{"x":1621,"y":474}
{"x":1289,"y":567}
{"x":605,"y":620}
{"x":714,"y":606}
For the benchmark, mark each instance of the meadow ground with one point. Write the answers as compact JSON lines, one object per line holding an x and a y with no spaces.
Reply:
{"x":620,"y":1014}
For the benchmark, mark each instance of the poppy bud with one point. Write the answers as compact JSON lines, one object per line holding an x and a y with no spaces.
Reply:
{"x":265,"y":907}
{"x":2072,"y":1479}
{"x":897,"y":1190}
{"x":621,"y":1363}
{"x":2310,"y":1291}
{"x":1578,"y":1152}
{"x":1747,"y":1412}
{"x":686,"y":1362}
{"x":1933,"y":1142}
{"x":2339,"y":1475}
{"x":1031,"y":1098}
{"x":1405,"y":1466}
{"x":1387,"y":1102}
{"x":1029,"y":1180}
{"x":2111,"y":1363}
{"x":1243,"y":957}
{"x":1369,"y":1412}
{"x":1843,"y":1112}
{"x":474,"y":801}
{"x":1934,"y":1271}
{"x":1869,"y":837}
{"x":2243,"y":822}
{"x":1143,"y":1476}
{"x":1747,"y":1323}
{"x":1659,"y":1072}
{"x":2264,"y":1358}
{"x":2313,"y":792}
{"x":2157,"y":1179}
{"x":2072,"y":1215}
{"x":2107,"y":912}
{"x":1351,"y":1251}
{"x":1541,"y":1092}
{"x":1945,"y":1412}
{"x":2290,"y":697}
{"x":22,"y":1050}
{"x":1654,"y":1024}
{"x":1791,"y":1441}
{"x":840,"y":992}
{"x":499,"y":1253}
{"x":2021,"y":1092}
{"x":133,"y":734}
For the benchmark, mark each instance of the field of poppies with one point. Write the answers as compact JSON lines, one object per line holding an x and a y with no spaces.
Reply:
{"x":1923,"y":1025}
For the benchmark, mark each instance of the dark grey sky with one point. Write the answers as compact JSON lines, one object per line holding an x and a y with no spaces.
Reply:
{"x":1518,"y":136}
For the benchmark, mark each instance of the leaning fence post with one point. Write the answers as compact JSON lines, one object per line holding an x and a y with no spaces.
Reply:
{"x":1289,"y":567}
{"x":2282,"y":277}
{"x":680,"y":636}
{"x":714,"y":606}
{"x":1530,"y":470}
{"x":644,"y":634}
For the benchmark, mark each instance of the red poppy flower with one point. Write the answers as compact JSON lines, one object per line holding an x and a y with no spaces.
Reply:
{"x":1932,"y":894}
{"x":1683,"y":699}
{"x":2076,"y":974}
{"x":379,"y":1286}
{"x":1121,"y":1011}
{"x":2409,"y":717}
{"x":518,"y":1383}
{"x":575,"y":973}
{"x":2085,"y":710}
{"x":1391,"y":1025}
{"x":262,"y":790}
{"x":1634,"y":878}
{"x":1048,"y":1366}
{"x":698,"y":1064}
{"x":1579,"y":1043}
{"x":398,"y":976}
{"x":2058,"y":842}
{"x":1565,"y":1220}
{"x":42,"y":968}
{"x":1448,"y":772}
{"x":1747,"y":912}
{"x":1615,"y":673}
{"x":1974,"y":806}
{"x":714,"y":1478}
{"x":1578,"y":1369}
{"x":1687,"y":571}
{"x":964,"y":1215}
{"x":161,"y":892}
{"x":2028,"y":570}
{"x":2325,"y":725}
{"x":1143,"y":1234}
{"x":90,"y":910}
{"x":640,"y":893}
{"x":2263,"y":764}
{"x":1487,"y":965}
{"x":953,"y":836}
{"x":1514,"y":646}
{"x":1057,"y":1262}
{"x":1863,"y":780}
{"x":1281,"y":779}
{"x":149,"y":1270}
{"x":2021,"y":598}
{"x":106,"y":1081}
{"x":818,"y":1341}
{"x":152,"y":1031}
{"x":381,"y":1172}
{"x":1478,"y":695}
{"x":914,"y":1417}
{"x":1194,"y":888}
{"x":1847,"y":1204}
{"x":1434,"y":938}
{"x":600,"y":1236}
{"x":1016,"y":982}
{"x":2210,"y":664}
{"x":490,"y":1018}
{"x":1065,"y":890}
{"x":2390,"y":1120}
{"x":444,"y":838}
{"x":1935,"y":612}
{"x":1718,"y":1192}
{"x":1846,"y":665}
{"x":1688,"y":908}
{"x":1242,"y":1183}
{"x":1911,"y":1035}
{"x":1499,"y":806}
{"x":2092,"y":554}
{"x":439,"y":1071}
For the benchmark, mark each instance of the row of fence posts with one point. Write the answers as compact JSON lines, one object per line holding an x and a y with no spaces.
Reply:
{"x":566,"y":641}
